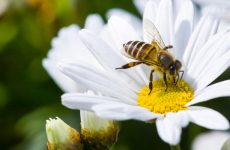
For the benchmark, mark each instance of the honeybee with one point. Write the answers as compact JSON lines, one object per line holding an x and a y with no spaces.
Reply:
{"x":153,"y":54}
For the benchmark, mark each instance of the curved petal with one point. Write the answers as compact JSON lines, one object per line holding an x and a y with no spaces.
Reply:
{"x":132,"y":19}
{"x":63,"y":81}
{"x":205,"y":29}
{"x":168,"y":130}
{"x":97,"y":81}
{"x":165,"y":21}
{"x":67,"y":45}
{"x":220,"y":89}
{"x":213,"y":2}
{"x":207,"y":118}
{"x":85,"y":101}
{"x":208,"y":51}
{"x":121,"y":31}
{"x":140,"y":5}
{"x":150,"y":13}
{"x":214,"y":69}
{"x":210,"y":140}
{"x":109,"y":59}
{"x":183,"y":28}
{"x":132,"y":112}
{"x":94,"y":23}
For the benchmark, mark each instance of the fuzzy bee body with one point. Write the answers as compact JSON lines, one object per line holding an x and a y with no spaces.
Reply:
{"x":140,"y":50}
{"x":153,"y":54}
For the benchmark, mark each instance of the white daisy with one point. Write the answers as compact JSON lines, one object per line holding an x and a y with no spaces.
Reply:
{"x":67,"y":45}
{"x":125,"y":92}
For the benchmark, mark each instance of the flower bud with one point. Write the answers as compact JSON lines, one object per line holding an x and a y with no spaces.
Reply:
{"x":61,"y":136}
{"x":99,"y":134}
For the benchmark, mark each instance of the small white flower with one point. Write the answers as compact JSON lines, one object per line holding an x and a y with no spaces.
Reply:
{"x":212,"y":140}
{"x":96,"y":132}
{"x":197,"y":42}
{"x":61,"y":136}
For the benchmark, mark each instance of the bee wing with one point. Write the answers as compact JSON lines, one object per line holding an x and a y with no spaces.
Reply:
{"x":151,"y":34}
{"x":148,"y":62}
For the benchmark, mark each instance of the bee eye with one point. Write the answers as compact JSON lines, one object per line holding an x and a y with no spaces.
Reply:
{"x":172,"y":69}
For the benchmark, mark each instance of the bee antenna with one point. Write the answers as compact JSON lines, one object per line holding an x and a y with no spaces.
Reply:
{"x":168,"y":47}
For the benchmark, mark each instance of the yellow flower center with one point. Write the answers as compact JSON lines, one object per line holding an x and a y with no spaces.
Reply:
{"x":162,"y":101}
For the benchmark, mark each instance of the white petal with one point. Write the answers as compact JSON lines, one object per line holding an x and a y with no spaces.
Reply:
{"x":220,"y":89}
{"x":183,"y":28}
{"x":180,"y":118}
{"x":67,"y":46}
{"x":165,"y":21}
{"x":224,"y":25}
{"x":212,"y":140}
{"x":97,"y":81}
{"x":94,"y":23}
{"x":124,"y":111}
{"x":213,"y":2}
{"x":207,"y":118}
{"x":206,"y":28}
{"x":199,"y":63}
{"x":121,"y":31}
{"x":215,"y":67}
{"x":150,"y":12}
{"x":86,"y":101}
{"x":140,"y":4}
{"x":64,"y":82}
{"x":132,"y":19}
{"x":109,"y":59}
{"x":168,"y":130}
{"x":103,"y":53}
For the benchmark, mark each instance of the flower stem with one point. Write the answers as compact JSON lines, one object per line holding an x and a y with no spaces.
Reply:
{"x":176,"y":147}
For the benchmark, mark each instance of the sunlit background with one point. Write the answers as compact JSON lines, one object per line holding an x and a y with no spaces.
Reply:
{"x":28,"y":96}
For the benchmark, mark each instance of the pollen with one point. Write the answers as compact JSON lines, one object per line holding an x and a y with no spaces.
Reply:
{"x":162,"y":100}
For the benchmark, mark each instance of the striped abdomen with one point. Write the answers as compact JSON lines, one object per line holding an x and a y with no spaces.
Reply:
{"x":140,"y":50}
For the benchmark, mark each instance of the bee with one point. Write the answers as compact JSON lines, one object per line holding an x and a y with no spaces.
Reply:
{"x":154,"y":54}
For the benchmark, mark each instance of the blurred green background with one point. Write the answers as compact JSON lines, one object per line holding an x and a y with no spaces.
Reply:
{"x":28,"y":96}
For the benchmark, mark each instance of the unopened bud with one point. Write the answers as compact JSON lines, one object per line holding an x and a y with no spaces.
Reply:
{"x":61,"y":136}
{"x":99,"y":134}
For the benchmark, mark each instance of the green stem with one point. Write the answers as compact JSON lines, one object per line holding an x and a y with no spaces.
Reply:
{"x":176,"y":147}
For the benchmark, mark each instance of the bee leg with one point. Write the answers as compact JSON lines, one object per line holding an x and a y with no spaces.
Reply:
{"x":178,"y":77}
{"x":165,"y":80}
{"x":131,"y":64}
{"x":150,"y":81}
{"x":182,"y":74}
